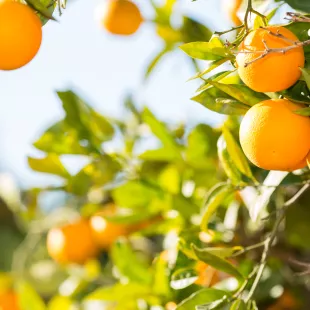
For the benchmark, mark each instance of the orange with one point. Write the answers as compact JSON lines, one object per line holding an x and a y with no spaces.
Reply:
{"x":232,"y":7}
{"x":273,"y":137}
{"x":275,"y":71}
{"x":8,"y":301}
{"x":207,"y":275}
{"x":122,"y":17}
{"x":105,"y":233}
{"x":72,"y":243}
{"x":20,"y":35}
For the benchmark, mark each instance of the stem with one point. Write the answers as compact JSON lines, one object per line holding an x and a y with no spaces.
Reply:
{"x":272,"y":237}
{"x":220,"y":33}
{"x":250,"y":10}
{"x":249,"y":248}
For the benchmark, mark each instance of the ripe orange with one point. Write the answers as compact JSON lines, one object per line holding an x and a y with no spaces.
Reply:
{"x":275,"y":138}
{"x":286,"y":301}
{"x":122,"y":17}
{"x":8,"y":301}
{"x":275,"y":71}
{"x":72,"y":243}
{"x":104,"y":232}
{"x":20,"y":35}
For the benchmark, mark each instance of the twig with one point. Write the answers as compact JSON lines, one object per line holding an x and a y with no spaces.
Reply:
{"x":250,"y":248}
{"x":269,"y":50}
{"x":297,"y":17}
{"x":248,"y":12}
{"x":271,"y":238}
{"x":220,"y":33}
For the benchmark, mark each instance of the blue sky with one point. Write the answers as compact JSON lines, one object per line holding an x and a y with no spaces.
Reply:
{"x":77,"y":54}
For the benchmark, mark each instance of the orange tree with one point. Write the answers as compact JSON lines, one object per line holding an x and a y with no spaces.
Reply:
{"x":205,"y":219}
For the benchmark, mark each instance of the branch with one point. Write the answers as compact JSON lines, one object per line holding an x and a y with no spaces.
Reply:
{"x":272,"y":237}
{"x":269,"y":50}
{"x":297,"y":17}
{"x":220,"y":33}
{"x":248,"y":12}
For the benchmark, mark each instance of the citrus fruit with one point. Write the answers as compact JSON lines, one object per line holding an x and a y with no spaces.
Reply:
{"x":276,"y":71}
{"x":273,"y":137}
{"x":105,"y":233}
{"x":20,"y":35}
{"x":121,"y":17}
{"x":72,"y":243}
{"x":8,"y":301}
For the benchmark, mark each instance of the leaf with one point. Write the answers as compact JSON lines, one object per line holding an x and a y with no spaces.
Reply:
{"x":203,"y":296}
{"x":161,"y":155}
{"x":222,"y":252}
{"x":201,"y":146}
{"x":306,"y":76}
{"x":155,"y":61}
{"x":241,"y":93}
{"x":183,"y":278}
{"x":60,"y":303}
{"x":236,"y":154}
{"x":303,"y":112}
{"x":215,"y":198}
{"x":37,"y":5}
{"x":29,"y":299}
{"x":134,"y":194}
{"x":161,"y":131}
{"x":300,"y":29}
{"x":132,"y":268}
{"x":298,"y":5}
{"x":218,"y":101}
{"x":217,"y":262}
{"x":298,"y":93}
{"x":213,"y":65}
{"x":212,"y":50}
{"x":89,"y":125}
{"x":239,"y":304}
{"x":216,"y":77}
{"x":161,"y":281}
{"x":229,"y":167}
{"x":49,"y":164}
{"x":60,"y":139}
{"x":193,"y":31}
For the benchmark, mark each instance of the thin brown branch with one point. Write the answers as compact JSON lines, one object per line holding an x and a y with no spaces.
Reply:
{"x":297,"y":17}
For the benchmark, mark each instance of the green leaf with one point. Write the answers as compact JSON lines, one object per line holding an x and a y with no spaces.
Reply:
{"x":229,"y":167}
{"x":306,"y":76}
{"x":201,"y":146}
{"x":218,"y":101}
{"x":215,"y":198}
{"x":216,"y":77}
{"x":207,"y":295}
{"x":29,"y":299}
{"x":239,"y":304}
{"x":213,"y":50}
{"x":132,"y":268}
{"x":156,"y":60}
{"x":300,"y":29}
{"x":217,"y":262}
{"x":50,"y":164}
{"x":303,"y":112}
{"x":60,"y":303}
{"x":222,"y":252}
{"x":161,"y":271}
{"x":41,"y":7}
{"x":135,"y":194}
{"x":299,"y":93}
{"x":161,"y":155}
{"x":160,"y":130}
{"x":298,"y":5}
{"x":89,"y":125}
{"x":193,"y":31}
{"x":60,"y":139}
{"x":241,"y":93}
{"x":213,"y":65}
{"x":183,"y":278}
{"x":236,"y":154}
